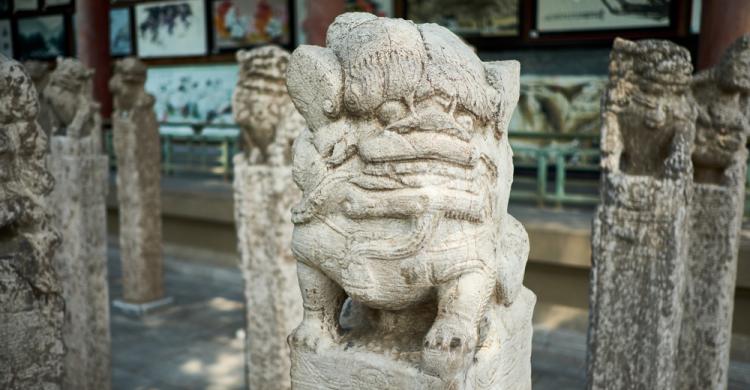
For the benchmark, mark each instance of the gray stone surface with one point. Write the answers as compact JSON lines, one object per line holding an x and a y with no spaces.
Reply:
{"x":80,"y":170}
{"x":405,"y":169}
{"x":720,"y":163}
{"x":31,"y":304}
{"x":640,"y":234}
{"x":138,"y":151}
{"x":264,"y":194}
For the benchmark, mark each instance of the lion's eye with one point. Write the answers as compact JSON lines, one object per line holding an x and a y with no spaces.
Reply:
{"x":391,"y":111}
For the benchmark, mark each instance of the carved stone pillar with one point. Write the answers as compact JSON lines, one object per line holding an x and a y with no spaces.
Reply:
{"x":31,"y":303}
{"x":136,"y":141}
{"x":264,"y":194}
{"x":640,"y":233}
{"x":80,"y":171}
{"x":720,"y":163}
{"x":406,"y":169}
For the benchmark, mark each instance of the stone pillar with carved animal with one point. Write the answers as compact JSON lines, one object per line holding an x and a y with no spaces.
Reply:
{"x":264,"y":194}
{"x":406,"y":169}
{"x":80,"y":170}
{"x":135,"y":135}
{"x":31,"y":301}
{"x":720,"y":164}
{"x":640,"y":234}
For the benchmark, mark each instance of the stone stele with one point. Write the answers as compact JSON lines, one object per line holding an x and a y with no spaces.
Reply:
{"x":80,"y":170}
{"x":406,"y":169}
{"x":264,"y":194}
{"x":639,"y":242}
{"x":719,"y":160}
{"x":31,"y":302}
{"x":136,"y":143}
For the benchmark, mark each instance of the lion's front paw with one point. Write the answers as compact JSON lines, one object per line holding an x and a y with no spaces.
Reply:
{"x":309,"y":336}
{"x":448,"y":347}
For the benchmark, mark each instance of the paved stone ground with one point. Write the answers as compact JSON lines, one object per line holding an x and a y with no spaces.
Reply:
{"x":197,"y":343}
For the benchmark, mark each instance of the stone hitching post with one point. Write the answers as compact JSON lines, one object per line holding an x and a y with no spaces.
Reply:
{"x":31,"y":303}
{"x":719,"y":160}
{"x":640,"y":232}
{"x":136,"y":142}
{"x":406,"y":169}
{"x":264,"y":194}
{"x":80,"y":170}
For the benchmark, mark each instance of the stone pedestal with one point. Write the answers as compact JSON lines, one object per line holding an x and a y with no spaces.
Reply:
{"x":362,"y":362}
{"x":720,"y":161}
{"x":263,"y":198}
{"x":31,"y":304}
{"x":640,"y":231}
{"x":137,"y":147}
{"x":80,"y":172}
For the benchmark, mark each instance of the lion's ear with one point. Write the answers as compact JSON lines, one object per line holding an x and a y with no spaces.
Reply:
{"x":315,"y":83}
{"x":505,"y":78}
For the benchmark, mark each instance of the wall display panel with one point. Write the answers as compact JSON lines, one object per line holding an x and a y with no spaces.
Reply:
{"x":490,"y":18}
{"x":5,"y":6}
{"x":42,"y":37}
{"x":242,"y":23}
{"x":695,"y":17}
{"x":312,"y":17}
{"x":6,"y":38}
{"x":193,"y":94}
{"x":588,"y":15}
{"x":171,"y":28}
{"x":25,"y":5}
{"x":54,"y":3}
{"x":120,"y":39}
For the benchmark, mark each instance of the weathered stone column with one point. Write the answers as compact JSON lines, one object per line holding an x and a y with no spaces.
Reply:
{"x":80,"y":171}
{"x":405,"y":170}
{"x":31,"y":304}
{"x":136,"y":142}
{"x":720,"y":163}
{"x":264,"y":194}
{"x":639,"y":242}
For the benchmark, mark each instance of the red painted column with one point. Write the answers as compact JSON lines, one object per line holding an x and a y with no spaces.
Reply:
{"x":722,"y":22}
{"x":92,"y":34}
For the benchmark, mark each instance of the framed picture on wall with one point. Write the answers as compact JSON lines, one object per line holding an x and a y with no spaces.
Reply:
{"x":590,"y":15}
{"x":120,"y":38}
{"x":312,"y":17}
{"x":242,"y":23}
{"x":6,"y":38}
{"x":174,"y":28}
{"x":4,"y":6}
{"x":193,"y":94}
{"x":25,"y":5}
{"x":488,"y":18}
{"x":42,"y":37}
{"x":55,"y":3}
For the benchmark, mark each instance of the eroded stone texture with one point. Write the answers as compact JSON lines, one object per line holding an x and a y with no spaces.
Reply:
{"x":264,"y":194}
{"x":639,"y":242}
{"x":406,"y":170}
{"x":31,"y":304}
{"x":80,"y":171}
{"x":137,"y":146}
{"x":719,"y":160}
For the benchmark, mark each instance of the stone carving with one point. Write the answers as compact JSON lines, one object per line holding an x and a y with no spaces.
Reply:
{"x":639,"y":242}
{"x":719,"y":160}
{"x":31,"y":318}
{"x":80,"y":170}
{"x":39,"y":72}
{"x":137,"y":146}
{"x":264,"y":194}
{"x":405,"y":169}
{"x":261,"y":106}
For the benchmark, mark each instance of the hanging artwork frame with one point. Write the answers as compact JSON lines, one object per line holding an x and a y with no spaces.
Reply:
{"x":175,"y":28}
